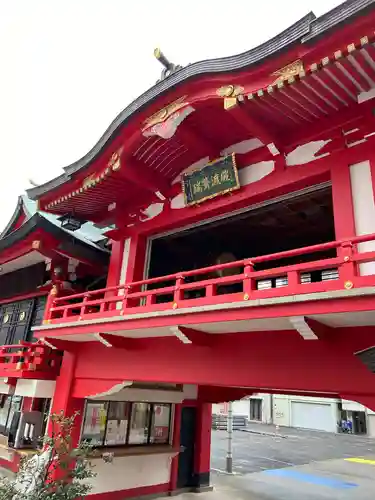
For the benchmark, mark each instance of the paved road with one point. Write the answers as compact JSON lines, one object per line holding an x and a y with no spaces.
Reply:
{"x":304,"y":465}
{"x":255,"y":453}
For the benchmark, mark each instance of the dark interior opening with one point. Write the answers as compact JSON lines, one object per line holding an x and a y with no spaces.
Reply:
{"x":300,"y":221}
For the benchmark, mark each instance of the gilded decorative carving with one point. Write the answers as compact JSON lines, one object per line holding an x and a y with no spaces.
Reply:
{"x":115,"y":161}
{"x":36,"y":245}
{"x":230,"y":94}
{"x":163,"y":114}
{"x":292,"y":69}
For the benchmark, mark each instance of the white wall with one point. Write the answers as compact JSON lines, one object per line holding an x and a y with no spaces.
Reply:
{"x":241,"y":407}
{"x":371,"y":425}
{"x":282,"y":408}
{"x":35,"y":388}
{"x":131,"y":472}
{"x":364,"y":209}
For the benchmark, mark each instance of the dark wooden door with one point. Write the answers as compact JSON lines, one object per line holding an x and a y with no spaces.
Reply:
{"x":185,"y":477}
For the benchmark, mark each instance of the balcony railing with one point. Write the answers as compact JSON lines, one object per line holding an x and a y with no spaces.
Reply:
{"x":29,"y":360}
{"x":200,"y":287}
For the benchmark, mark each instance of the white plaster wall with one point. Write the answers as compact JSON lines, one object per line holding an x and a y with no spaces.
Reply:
{"x":364,"y":209}
{"x":255,"y":172}
{"x":241,"y":408}
{"x":371,"y":425}
{"x":35,"y":388}
{"x":4,"y":388}
{"x":352,"y":406}
{"x":131,"y":472}
{"x":281,"y":411}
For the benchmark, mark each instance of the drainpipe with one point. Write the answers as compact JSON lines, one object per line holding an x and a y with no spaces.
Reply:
{"x":271,"y":409}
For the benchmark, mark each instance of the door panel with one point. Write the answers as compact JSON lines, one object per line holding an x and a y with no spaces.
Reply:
{"x":313,"y":416}
{"x":187,"y":441}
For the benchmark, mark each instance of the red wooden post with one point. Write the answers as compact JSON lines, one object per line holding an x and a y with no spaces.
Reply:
{"x":293,"y":282}
{"x":211,"y":290}
{"x":50,"y":303}
{"x":202,"y":450}
{"x":125,"y":299}
{"x":248,"y":282}
{"x":178,"y":292}
{"x":83,"y":307}
{"x":348,"y":268}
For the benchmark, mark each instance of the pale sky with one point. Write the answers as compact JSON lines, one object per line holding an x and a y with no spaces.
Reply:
{"x":68,"y":67}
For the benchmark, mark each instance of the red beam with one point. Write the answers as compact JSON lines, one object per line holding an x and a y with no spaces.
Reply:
{"x":141,"y":175}
{"x":254,"y":127}
{"x":322,"y":331}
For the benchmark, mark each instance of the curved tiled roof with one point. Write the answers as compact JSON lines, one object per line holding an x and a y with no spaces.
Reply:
{"x":307,"y":29}
{"x":88,"y":233}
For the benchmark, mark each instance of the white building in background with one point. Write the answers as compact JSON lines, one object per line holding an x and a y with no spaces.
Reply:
{"x":314,"y":413}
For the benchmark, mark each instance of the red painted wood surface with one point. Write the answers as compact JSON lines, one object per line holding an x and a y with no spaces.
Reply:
{"x":265,"y":361}
{"x":134,"y":298}
{"x":29,"y":360}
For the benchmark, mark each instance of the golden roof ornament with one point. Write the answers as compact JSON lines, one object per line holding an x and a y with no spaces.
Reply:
{"x":292,"y":69}
{"x":230,"y":94}
{"x":169,"y":68}
{"x":164,"y":113}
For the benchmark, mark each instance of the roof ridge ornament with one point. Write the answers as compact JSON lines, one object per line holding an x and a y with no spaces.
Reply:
{"x":169,"y":68}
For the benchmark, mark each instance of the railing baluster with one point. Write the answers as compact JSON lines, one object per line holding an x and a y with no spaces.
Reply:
{"x":348,"y":268}
{"x":248,"y":282}
{"x":50,"y":303}
{"x":82,"y":311}
{"x":125,"y":303}
{"x":293,"y":281}
{"x":211,"y":290}
{"x":178,"y":293}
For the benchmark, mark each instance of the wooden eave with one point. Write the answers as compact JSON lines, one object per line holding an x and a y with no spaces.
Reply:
{"x":38,"y":234}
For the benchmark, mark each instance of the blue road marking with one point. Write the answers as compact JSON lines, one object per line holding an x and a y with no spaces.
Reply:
{"x":310,"y":478}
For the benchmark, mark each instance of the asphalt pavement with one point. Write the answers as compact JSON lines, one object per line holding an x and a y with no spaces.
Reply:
{"x":291,"y":465}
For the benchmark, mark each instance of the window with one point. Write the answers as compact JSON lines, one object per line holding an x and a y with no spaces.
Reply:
{"x":256,"y":409}
{"x":116,"y":423}
{"x":95,"y":422}
{"x":140,"y":423}
{"x":160,"y":422}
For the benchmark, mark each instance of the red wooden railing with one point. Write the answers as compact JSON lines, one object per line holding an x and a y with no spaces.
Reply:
{"x":29,"y":360}
{"x":197,"y":288}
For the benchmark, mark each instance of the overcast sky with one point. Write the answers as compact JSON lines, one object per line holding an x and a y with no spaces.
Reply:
{"x":68,"y":67}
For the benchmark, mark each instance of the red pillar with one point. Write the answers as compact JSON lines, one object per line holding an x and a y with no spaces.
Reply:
{"x":63,"y":400}
{"x":202,"y":449}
